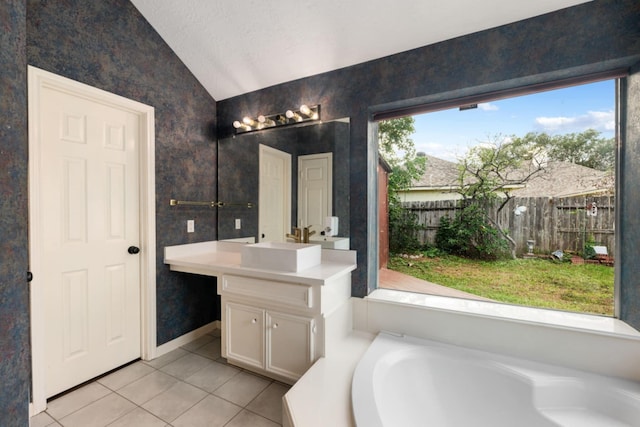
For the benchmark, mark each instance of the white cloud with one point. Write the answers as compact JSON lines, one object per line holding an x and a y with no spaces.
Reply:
{"x":487,"y":106}
{"x":441,"y":151}
{"x":599,"y":120}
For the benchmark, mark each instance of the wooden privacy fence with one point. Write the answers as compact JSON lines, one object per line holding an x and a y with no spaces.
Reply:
{"x":553,"y":223}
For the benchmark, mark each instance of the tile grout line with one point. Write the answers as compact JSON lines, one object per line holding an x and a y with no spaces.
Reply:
{"x":159,"y":369}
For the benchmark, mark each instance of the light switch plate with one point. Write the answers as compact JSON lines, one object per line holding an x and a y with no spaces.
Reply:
{"x":238,"y":224}
{"x":191,"y":226}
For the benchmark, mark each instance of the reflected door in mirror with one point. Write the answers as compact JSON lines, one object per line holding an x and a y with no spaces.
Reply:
{"x":275,"y":194}
{"x":315,"y":189}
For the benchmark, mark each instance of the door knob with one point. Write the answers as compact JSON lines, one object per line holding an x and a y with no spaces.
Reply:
{"x":133,"y":250}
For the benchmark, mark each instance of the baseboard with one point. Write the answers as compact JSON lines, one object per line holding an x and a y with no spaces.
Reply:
{"x":186,"y":338}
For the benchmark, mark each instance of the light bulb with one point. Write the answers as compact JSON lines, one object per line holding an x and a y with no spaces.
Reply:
{"x":265,"y":121}
{"x":248,"y":121}
{"x":240,"y":125}
{"x":304,"y":109}
{"x":291,"y":115}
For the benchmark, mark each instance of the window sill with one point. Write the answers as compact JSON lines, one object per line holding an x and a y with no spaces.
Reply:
{"x":553,"y":318}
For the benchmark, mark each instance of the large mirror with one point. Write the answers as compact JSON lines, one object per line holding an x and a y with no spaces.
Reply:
{"x":239,"y":177}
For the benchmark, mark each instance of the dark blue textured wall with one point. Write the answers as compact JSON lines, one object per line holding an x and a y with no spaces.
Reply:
{"x":109,"y":45}
{"x":14,"y":291}
{"x":628,"y":222}
{"x":596,"y":36}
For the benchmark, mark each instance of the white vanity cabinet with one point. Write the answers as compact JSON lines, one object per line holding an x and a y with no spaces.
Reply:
{"x":276,"y":323}
{"x":246,"y":325}
{"x":270,"y":327}
{"x":290,"y":341}
{"x":271,"y":341}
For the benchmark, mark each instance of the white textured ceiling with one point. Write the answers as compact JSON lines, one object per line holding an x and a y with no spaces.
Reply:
{"x":238,"y":46}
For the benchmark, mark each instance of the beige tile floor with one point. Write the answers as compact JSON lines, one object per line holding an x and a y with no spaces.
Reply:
{"x":190,"y":387}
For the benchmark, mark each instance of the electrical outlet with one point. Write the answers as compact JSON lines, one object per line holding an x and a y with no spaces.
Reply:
{"x":238,"y":224}
{"x":191,"y":226}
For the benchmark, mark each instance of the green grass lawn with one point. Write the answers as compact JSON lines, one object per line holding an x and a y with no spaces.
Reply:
{"x":586,"y":288}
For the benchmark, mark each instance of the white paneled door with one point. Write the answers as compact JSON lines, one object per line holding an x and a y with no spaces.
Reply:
{"x":274,"y":217}
{"x":89,"y":210}
{"x":315,"y":189}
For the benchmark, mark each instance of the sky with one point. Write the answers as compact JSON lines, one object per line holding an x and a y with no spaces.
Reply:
{"x":448,"y":134}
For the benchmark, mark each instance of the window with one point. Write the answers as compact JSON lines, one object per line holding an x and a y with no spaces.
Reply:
{"x":539,"y":184}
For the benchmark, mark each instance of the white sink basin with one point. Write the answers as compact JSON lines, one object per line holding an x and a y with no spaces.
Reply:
{"x":328,"y":242}
{"x":278,"y":256}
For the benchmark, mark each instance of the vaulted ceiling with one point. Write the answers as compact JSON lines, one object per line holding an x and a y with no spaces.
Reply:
{"x":239,"y":46}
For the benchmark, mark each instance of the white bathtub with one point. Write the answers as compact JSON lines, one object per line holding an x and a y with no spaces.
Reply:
{"x":404,"y":381}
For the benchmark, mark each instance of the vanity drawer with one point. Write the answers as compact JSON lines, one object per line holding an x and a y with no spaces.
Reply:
{"x":291,"y":294}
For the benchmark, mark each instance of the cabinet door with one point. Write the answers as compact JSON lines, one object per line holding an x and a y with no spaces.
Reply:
{"x":290,"y":344}
{"x":245,"y":334}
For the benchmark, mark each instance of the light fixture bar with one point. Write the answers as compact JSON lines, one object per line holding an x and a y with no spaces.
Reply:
{"x":303,"y":114}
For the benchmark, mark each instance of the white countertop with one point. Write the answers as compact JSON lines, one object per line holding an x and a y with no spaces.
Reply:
{"x":214,"y":258}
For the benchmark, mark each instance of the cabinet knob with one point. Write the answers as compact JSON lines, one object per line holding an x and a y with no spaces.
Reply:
{"x":254,"y":320}
{"x":275,"y":326}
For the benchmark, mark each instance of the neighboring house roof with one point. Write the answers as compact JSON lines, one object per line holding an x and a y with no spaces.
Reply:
{"x":438,"y":174}
{"x":564,"y":179}
{"x":558,"y":179}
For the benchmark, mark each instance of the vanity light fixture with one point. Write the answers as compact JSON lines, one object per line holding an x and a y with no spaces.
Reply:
{"x":303,"y":114}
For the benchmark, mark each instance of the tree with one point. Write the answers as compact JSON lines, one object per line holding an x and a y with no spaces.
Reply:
{"x":398,"y":149}
{"x":486,"y":176}
{"x":586,"y":148}
{"x":488,"y":172}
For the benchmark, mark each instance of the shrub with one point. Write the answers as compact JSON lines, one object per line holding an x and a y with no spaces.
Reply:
{"x":403,"y":229}
{"x":589,"y":252}
{"x":470,"y":234}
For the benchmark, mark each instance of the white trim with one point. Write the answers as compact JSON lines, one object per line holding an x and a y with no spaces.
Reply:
{"x":37,"y":304}
{"x":38,"y":79}
{"x":187,"y":338}
{"x":591,"y":323}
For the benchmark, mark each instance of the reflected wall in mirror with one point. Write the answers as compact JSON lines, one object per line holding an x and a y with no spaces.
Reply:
{"x":239,"y":170}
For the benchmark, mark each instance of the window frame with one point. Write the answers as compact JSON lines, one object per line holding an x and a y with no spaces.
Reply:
{"x":620,"y":76}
